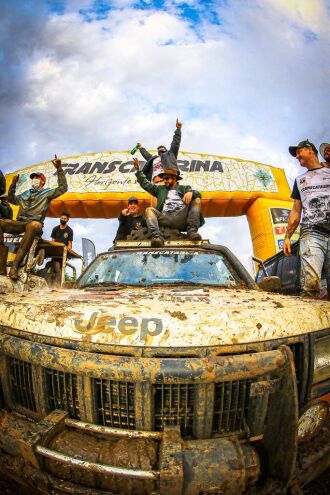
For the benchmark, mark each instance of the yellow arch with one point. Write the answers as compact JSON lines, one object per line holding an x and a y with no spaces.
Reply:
{"x":100,"y":184}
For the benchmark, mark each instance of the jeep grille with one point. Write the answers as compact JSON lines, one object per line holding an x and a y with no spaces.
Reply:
{"x":174,"y":405}
{"x":230,"y":405}
{"x":115,"y":403}
{"x":21,"y":383}
{"x":62,"y":392}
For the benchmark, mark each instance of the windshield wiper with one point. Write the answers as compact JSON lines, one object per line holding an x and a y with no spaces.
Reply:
{"x":109,"y":285}
{"x":104,"y":285}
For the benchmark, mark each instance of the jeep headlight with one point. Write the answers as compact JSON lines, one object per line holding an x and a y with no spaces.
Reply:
{"x":321,"y":359}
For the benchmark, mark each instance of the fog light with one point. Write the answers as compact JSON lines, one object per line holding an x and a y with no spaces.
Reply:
{"x":311,"y":420}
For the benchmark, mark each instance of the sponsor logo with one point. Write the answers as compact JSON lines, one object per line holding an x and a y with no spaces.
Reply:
{"x":280,"y":243}
{"x":144,"y":327}
{"x":279,"y":230}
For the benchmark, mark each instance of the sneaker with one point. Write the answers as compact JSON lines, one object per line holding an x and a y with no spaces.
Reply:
{"x":157,"y":241}
{"x":193,"y":235}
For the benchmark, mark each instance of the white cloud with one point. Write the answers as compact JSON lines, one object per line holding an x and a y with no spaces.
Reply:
{"x":249,"y":87}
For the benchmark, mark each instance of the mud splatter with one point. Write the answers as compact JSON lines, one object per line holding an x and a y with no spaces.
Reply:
{"x":177,"y":314}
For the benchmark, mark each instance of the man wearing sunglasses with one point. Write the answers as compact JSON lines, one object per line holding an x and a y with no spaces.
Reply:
{"x":311,"y":194}
{"x":178,"y":207}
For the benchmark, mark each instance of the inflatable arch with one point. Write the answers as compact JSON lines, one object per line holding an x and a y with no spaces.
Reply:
{"x":101,"y":183}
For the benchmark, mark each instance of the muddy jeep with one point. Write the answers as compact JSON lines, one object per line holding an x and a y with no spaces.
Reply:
{"x":164,"y":371}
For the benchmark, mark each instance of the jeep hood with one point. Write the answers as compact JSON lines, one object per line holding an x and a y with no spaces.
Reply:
{"x":163,"y":316}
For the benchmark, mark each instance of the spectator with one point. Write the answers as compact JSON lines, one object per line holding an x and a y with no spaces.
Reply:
{"x":63,"y":233}
{"x":157,"y":163}
{"x":6,"y":211}
{"x":311,"y":194}
{"x":178,"y":207}
{"x":33,"y":205}
{"x":325,"y":152}
{"x":129,"y":220}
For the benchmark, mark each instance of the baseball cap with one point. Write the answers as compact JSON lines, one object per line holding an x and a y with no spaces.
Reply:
{"x":133,"y":199}
{"x":38,"y":174}
{"x":302,"y":144}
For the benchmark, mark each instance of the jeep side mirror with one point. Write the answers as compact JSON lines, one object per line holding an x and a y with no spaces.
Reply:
{"x":261,"y":265}
{"x":270,"y":284}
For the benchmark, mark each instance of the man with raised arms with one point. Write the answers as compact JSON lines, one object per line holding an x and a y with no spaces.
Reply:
{"x":33,"y":205}
{"x":178,"y":207}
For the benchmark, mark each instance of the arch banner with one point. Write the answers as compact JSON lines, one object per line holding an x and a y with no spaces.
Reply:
{"x":100,"y":184}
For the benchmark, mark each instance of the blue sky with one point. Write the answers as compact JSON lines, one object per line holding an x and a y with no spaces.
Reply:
{"x":248,"y":78}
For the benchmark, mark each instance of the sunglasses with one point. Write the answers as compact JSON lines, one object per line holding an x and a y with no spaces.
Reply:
{"x":167,"y":177}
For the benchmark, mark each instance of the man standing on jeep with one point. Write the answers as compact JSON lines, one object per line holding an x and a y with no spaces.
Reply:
{"x":33,"y":205}
{"x":311,"y":194}
{"x":156,"y":164}
{"x":178,"y":207}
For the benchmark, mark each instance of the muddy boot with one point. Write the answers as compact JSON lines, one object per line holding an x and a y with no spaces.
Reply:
{"x":13,"y":273}
{"x":193,"y":235}
{"x":157,"y":241}
{"x":3,"y":259}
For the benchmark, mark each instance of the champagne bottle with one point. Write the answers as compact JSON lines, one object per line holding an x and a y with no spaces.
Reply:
{"x":134,"y":150}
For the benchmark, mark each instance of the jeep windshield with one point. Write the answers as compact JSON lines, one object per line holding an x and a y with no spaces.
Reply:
{"x":147,"y":267}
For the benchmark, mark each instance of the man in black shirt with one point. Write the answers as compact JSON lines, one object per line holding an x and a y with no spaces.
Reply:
{"x":63,"y":233}
{"x":129,"y":220}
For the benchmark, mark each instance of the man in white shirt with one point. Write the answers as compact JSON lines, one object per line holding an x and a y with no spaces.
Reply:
{"x":311,"y":194}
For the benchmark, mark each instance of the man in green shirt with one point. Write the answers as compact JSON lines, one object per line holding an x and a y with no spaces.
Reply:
{"x":33,"y":205}
{"x":178,"y":207}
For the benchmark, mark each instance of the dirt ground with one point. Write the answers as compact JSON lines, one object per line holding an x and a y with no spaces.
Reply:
{"x":318,"y":487}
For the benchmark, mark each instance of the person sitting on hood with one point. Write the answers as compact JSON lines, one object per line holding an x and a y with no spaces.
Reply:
{"x":157,"y":163}
{"x":33,"y":205}
{"x":178,"y":207}
{"x":129,"y":220}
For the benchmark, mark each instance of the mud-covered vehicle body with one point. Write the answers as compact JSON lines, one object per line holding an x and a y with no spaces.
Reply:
{"x":165,"y":371}
{"x":287,"y":268}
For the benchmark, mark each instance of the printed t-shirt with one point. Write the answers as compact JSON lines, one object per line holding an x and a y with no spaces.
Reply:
{"x":313,"y":190}
{"x":173,"y":202}
{"x":62,"y":235}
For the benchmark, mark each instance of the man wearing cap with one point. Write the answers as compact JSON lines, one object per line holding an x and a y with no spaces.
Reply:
{"x":129,"y":220}
{"x":178,"y":207}
{"x":325,"y":152}
{"x":311,"y":194}
{"x":157,"y":163}
{"x":33,"y":205}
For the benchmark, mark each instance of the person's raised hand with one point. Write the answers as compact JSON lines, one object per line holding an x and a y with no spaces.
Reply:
{"x":139,"y":145}
{"x":187,"y":197}
{"x":287,"y":247}
{"x":15,"y":179}
{"x":57,"y":162}
{"x":125,"y":212}
{"x":136,"y":164}
{"x":178,"y":124}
